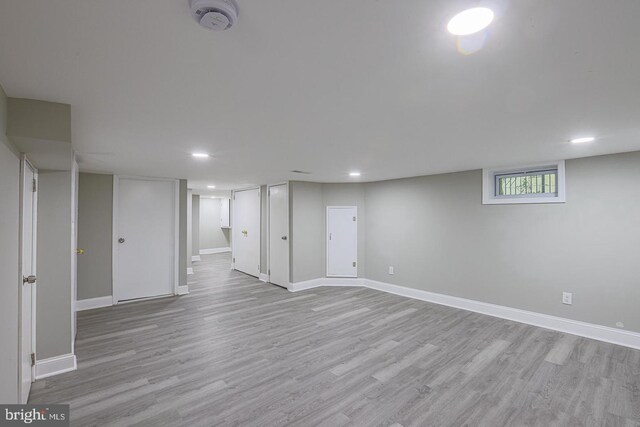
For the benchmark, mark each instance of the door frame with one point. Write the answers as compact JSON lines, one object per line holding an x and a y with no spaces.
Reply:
{"x":114,"y":232}
{"x":232,"y":222}
{"x":326,"y":241}
{"x":24,"y":161}
{"x":286,"y":183}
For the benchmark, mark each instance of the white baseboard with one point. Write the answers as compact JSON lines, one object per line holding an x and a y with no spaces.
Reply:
{"x":569,"y":326}
{"x":214,"y":251}
{"x":55,"y":365}
{"x":183,"y":290}
{"x":189,"y":271}
{"x":264,"y":277}
{"x":91,"y":303}
{"x":325,"y":281}
{"x":195,"y":258}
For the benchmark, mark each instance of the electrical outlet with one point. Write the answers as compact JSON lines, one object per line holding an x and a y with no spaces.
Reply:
{"x":391,"y":270}
{"x":567,"y":298}
{"x":619,"y":324}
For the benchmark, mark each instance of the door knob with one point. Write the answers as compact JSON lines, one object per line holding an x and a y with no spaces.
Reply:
{"x":80,"y":251}
{"x":284,"y":237}
{"x":29,"y":279}
{"x":121,"y":240}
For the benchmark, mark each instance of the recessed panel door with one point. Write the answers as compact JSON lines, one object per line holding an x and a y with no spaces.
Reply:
{"x":342,"y":241}
{"x":144,"y":238}
{"x":28,"y":267}
{"x":279,"y":235}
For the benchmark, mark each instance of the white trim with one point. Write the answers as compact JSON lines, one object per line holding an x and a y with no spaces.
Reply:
{"x":34,"y":291}
{"x":183,"y":290}
{"x":132,"y":301}
{"x":569,"y":326}
{"x":286,"y":183}
{"x":264,"y":277}
{"x":326,"y":281}
{"x":114,"y":231}
{"x":195,"y":258}
{"x":189,"y":271}
{"x":55,"y":365}
{"x":326,"y":239}
{"x":488,"y":185}
{"x":213,"y":251}
{"x":91,"y":303}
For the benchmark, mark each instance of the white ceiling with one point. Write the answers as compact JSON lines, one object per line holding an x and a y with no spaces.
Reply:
{"x":327,"y":87}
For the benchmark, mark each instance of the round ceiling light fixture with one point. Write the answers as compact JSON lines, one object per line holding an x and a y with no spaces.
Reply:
{"x":216,"y":15}
{"x":470,"y":21}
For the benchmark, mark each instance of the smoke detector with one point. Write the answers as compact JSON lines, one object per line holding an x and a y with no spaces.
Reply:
{"x":216,"y":15}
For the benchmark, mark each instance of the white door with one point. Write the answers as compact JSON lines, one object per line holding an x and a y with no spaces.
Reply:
{"x":28,"y":267}
{"x":279,"y":235}
{"x":246,"y":231}
{"x":145,"y":238}
{"x":342,"y":241}
{"x":74,"y":250}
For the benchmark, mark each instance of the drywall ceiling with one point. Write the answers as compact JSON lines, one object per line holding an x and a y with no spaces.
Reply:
{"x":327,"y":87}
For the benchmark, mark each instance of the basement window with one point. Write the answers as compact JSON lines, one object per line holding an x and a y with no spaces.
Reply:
{"x":527,"y":184}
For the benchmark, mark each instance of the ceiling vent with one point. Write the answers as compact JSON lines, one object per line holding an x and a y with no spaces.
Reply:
{"x":216,"y":15}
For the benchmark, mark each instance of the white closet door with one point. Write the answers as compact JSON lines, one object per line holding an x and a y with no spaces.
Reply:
{"x":342,"y":241}
{"x":145,"y":238}
{"x":27,"y":288}
{"x":279,"y":235}
{"x":246,"y":231}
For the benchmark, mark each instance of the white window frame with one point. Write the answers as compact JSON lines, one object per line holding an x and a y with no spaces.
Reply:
{"x":489,"y":196}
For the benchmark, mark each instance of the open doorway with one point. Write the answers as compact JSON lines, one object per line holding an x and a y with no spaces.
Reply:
{"x":210,"y":229}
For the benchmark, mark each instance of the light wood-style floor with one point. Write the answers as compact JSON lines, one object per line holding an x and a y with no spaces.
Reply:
{"x":236,"y":351}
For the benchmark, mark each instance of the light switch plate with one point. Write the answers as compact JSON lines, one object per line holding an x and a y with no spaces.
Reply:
{"x":391,"y":271}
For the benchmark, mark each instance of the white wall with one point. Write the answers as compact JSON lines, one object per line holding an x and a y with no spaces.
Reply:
{"x":9,"y":275}
{"x":440,"y":238}
{"x":309,"y":203}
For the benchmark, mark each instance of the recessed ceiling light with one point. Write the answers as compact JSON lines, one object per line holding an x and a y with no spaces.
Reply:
{"x":211,"y":186}
{"x":200,"y":155}
{"x":470,"y":21}
{"x":582,"y":140}
{"x":354,"y":173}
